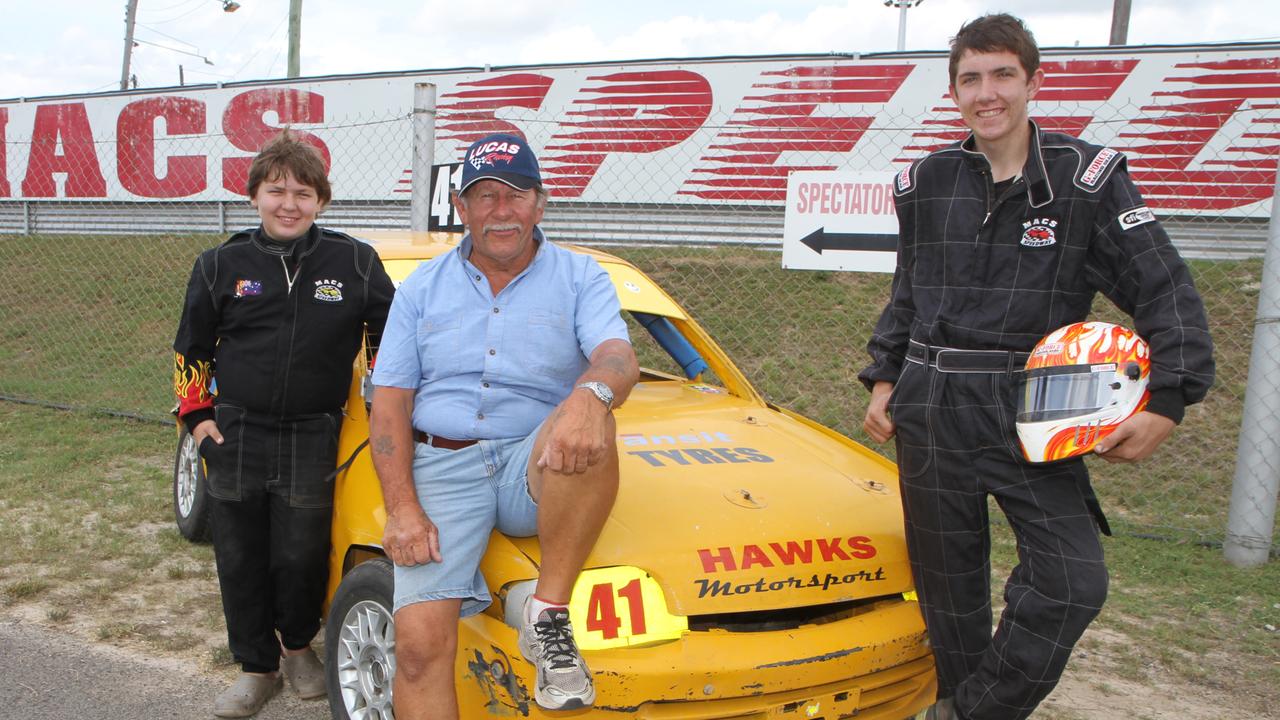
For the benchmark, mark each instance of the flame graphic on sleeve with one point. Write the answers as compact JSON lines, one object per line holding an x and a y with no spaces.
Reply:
{"x":191,"y":383}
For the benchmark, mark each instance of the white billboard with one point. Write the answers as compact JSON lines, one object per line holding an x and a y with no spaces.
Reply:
{"x":1197,"y":123}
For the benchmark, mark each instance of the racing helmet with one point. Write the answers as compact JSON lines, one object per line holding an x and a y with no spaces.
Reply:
{"x":1081,"y":381}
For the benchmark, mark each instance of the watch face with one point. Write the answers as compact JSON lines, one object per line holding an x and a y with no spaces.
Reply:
{"x":601,"y":391}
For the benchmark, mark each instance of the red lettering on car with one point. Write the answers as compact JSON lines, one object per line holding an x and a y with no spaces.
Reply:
{"x":859,"y":547}
{"x":753,"y":555}
{"x":722,"y":555}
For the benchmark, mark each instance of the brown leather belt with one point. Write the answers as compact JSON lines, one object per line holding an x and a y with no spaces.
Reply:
{"x":442,"y":442}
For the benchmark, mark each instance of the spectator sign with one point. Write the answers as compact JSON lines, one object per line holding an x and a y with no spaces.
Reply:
{"x":840,"y":221}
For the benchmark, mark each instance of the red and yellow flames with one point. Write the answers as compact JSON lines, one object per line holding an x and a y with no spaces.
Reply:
{"x":1090,"y":343}
{"x":191,"y":381}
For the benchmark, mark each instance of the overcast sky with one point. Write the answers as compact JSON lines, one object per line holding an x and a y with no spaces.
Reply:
{"x":72,"y":46}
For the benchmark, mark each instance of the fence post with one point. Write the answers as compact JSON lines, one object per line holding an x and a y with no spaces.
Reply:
{"x":1252,"y":516}
{"x":424,"y":144}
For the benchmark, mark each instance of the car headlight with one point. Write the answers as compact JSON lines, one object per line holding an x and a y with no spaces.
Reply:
{"x":611,"y":607}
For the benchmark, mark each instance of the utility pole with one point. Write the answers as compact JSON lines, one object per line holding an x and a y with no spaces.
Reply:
{"x":295,"y":36}
{"x":1120,"y":22}
{"x":130,"y":14}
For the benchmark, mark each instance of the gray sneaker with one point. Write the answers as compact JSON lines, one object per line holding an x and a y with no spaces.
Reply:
{"x":305,"y":674}
{"x":564,"y":681}
{"x":247,"y":695}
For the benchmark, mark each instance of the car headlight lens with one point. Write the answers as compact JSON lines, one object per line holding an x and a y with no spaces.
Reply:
{"x":611,"y":607}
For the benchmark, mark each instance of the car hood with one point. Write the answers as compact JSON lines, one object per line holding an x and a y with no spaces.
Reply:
{"x":732,"y":506}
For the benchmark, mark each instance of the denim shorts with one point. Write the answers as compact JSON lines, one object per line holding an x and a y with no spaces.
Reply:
{"x":468,"y":493}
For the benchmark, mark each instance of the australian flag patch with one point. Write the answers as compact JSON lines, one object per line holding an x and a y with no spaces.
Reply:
{"x":245,"y":288}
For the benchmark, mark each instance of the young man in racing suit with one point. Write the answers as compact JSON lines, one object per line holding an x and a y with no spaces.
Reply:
{"x":1003,"y":238}
{"x":276,"y":315}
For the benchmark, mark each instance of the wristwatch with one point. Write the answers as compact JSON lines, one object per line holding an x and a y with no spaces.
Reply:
{"x":601,"y":391}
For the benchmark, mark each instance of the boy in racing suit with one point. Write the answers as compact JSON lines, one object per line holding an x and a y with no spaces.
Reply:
{"x":276,"y":315}
{"x":1003,"y":238}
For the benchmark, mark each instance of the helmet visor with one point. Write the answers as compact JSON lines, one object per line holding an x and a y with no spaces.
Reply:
{"x":1063,"y":392}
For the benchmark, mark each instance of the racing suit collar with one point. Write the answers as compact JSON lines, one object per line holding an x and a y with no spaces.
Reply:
{"x":296,"y":249}
{"x":1039,"y":192}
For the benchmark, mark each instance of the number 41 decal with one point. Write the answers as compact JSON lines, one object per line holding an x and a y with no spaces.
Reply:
{"x":602,"y":613}
{"x":620,"y":606}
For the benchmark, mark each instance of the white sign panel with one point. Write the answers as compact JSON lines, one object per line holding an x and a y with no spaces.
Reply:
{"x":840,"y":221}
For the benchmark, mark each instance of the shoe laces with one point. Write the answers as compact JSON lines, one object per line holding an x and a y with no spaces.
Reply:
{"x":555,"y":636}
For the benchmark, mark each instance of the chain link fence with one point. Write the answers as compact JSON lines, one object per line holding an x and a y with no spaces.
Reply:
{"x":90,"y":290}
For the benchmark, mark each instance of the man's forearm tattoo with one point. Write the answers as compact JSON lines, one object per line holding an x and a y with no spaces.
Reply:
{"x":614,"y":364}
{"x":384,"y":445}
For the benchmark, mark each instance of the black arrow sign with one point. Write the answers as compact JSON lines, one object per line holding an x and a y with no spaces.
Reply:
{"x":820,"y":240}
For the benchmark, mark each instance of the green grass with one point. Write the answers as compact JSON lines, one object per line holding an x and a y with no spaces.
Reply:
{"x":86,"y":527}
{"x":89,"y":320}
{"x":87,"y":486}
{"x":25,"y":589}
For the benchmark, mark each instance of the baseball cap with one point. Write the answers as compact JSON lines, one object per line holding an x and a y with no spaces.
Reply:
{"x":502,"y":157}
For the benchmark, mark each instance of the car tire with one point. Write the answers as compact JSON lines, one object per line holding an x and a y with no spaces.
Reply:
{"x":360,"y":644}
{"x":190,"y":491}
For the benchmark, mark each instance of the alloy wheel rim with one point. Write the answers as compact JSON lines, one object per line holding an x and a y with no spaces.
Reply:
{"x":188,"y":467}
{"x":366,"y":661}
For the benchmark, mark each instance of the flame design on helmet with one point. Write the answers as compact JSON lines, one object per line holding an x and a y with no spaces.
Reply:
{"x":1091,"y":343}
{"x":1078,"y":440}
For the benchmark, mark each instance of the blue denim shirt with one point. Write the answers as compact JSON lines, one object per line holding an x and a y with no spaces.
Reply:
{"x":487,"y":367}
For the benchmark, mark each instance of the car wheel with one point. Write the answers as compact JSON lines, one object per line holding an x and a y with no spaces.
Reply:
{"x":360,"y":644}
{"x":190,"y":501}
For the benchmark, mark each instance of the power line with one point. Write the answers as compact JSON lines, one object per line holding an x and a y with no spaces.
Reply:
{"x":206,"y":60}
{"x":192,"y":11}
{"x":175,"y":39}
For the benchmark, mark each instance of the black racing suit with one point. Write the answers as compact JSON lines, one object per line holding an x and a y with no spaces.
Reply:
{"x":278,"y":326}
{"x":981,"y":269}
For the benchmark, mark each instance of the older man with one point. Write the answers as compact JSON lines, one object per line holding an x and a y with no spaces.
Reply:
{"x":499,"y":368}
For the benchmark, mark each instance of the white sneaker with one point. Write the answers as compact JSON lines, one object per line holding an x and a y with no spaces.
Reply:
{"x":564,"y":681}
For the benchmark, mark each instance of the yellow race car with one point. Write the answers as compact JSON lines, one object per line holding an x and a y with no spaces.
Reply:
{"x":754,"y":565}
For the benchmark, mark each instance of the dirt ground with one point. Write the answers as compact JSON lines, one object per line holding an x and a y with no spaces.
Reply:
{"x":1092,"y":689}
